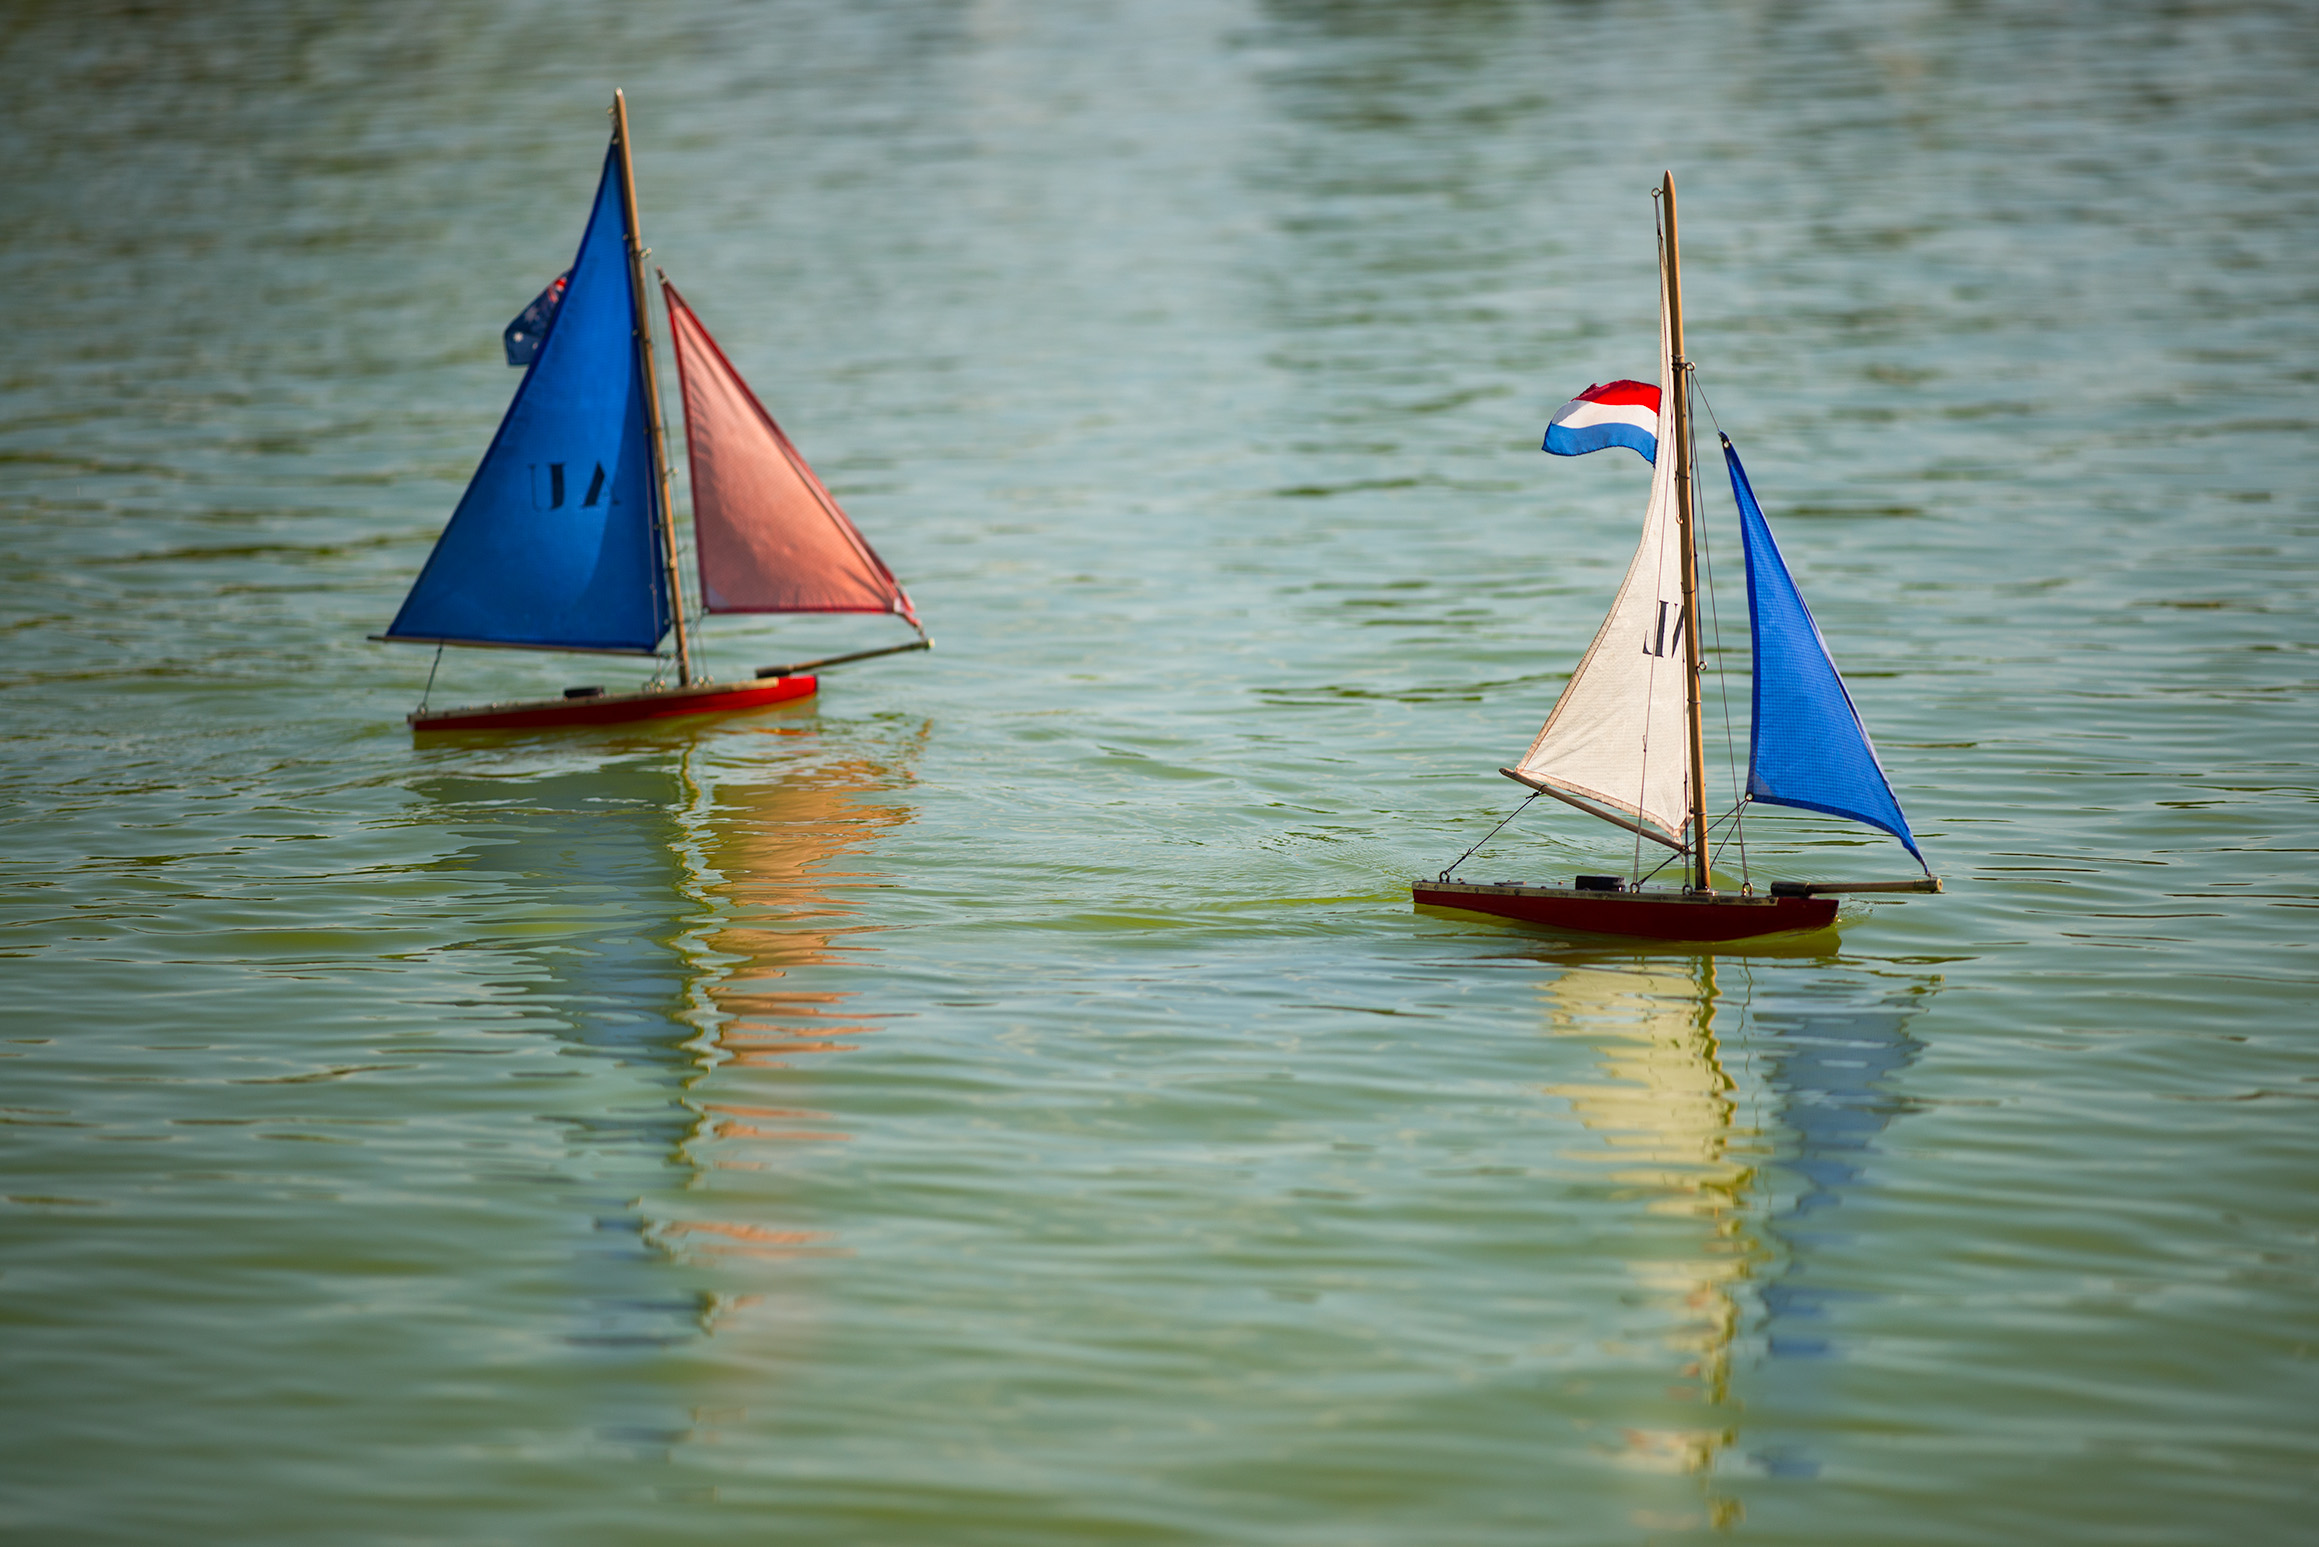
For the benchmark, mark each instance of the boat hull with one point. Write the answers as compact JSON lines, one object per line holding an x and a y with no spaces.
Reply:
{"x":1633,"y":915}
{"x":616,"y":708}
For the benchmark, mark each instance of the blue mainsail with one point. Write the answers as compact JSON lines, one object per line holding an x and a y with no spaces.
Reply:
{"x":553,"y":544}
{"x":1808,"y":747}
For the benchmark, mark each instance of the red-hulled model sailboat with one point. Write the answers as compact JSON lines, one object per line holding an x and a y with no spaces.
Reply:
{"x":566,"y":539}
{"x":1623,"y":742}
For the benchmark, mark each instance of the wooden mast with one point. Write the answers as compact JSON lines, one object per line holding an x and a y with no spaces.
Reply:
{"x":1679,"y":427}
{"x":662,"y":485}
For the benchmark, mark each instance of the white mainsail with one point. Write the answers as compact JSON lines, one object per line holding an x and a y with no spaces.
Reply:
{"x":1618,"y":741}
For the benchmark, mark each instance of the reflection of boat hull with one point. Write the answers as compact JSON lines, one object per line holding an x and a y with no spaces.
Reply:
{"x":616,"y":708}
{"x":1645,"y":915}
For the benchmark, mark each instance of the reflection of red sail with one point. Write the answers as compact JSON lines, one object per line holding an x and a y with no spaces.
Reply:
{"x":777,"y":853}
{"x":776,"y":843}
{"x":771,"y":538}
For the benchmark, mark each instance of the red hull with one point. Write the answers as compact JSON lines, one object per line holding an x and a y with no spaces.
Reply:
{"x":617,"y":708}
{"x":1643,"y":915}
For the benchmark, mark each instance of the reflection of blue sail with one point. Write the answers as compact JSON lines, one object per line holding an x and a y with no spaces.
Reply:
{"x":1831,"y":1067}
{"x":552,"y":546}
{"x":585,"y":893}
{"x":599,"y":849}
{"x":1808,"y":747}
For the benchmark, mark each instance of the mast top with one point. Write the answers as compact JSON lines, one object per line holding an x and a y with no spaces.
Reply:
{"x":1677,"y":417}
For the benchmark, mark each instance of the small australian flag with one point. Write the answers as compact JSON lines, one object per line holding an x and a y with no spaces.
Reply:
{"x":524,"y":335}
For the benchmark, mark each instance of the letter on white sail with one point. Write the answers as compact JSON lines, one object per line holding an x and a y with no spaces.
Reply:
{"x":1619,"y":737}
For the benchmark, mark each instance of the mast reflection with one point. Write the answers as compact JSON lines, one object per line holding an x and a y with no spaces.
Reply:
{"x":1664,"y":1114}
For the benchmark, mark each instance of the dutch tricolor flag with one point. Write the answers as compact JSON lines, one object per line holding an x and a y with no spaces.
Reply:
{"x":1618,"y":413}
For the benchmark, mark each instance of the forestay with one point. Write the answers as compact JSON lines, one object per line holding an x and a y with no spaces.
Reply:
{"x":553,"y":544}
{"x":1618,"y":738}
{"x":1808,"y":747}
{"x":770,"y":538}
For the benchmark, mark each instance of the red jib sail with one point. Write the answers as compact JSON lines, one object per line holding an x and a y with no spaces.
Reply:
{"x":770,"y":537}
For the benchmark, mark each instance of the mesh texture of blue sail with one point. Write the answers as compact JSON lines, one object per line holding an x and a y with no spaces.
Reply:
{"x":1807,"y":748}
{"x":553,"y":544}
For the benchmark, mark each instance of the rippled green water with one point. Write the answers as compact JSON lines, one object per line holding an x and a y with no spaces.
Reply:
{"x":1012,"y":1101}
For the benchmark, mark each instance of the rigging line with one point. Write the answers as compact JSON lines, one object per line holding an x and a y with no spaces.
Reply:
{"x":430,"y":687}
{"x":682,"y":604}
{"x":1486,"y":837}
{"x":1675,"y":855}
{"x":687,"y":618}
{"x":1722,"y":680}
{"x":1672,"y":856}
{"x":1739,"y":831}
{"x":1710,"y":406}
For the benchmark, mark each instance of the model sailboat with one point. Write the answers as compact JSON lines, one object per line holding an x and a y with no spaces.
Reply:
{"x":1623,"y":742}
{"x":566,"y":539}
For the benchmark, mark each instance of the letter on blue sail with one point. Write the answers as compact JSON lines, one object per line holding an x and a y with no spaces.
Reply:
{"x":553,"y":544}
{"x":1808,"y":747}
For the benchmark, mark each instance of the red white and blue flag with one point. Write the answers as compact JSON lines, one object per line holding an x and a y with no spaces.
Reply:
{"x":1618,"y":413}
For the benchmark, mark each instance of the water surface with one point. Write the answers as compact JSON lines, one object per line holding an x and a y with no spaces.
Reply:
{"x":1011,"y":1100}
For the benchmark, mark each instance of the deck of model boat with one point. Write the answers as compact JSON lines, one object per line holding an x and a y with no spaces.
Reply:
{"x":617,"y":708}
{"x":1667,"y":915}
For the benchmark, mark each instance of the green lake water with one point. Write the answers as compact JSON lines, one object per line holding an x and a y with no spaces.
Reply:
{"x":1011,"y":1100}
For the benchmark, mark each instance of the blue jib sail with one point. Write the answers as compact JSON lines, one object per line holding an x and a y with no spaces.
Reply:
{"x":553,"y":544}
{"x":1808,"y":747}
